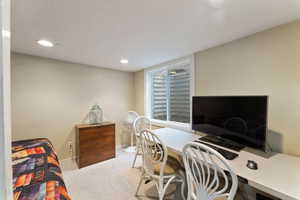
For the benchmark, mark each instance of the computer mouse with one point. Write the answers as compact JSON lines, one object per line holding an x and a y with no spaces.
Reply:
{"x":252,"y":165}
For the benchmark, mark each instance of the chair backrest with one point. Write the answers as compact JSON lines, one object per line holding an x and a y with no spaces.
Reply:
{"x":209,"y":175}
{"x":131,"y":117}
{"x":141,"y":123}
{"x":155,"y":153}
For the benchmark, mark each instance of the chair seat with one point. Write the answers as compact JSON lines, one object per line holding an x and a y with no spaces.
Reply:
{"x":172,"y":166}
{"x":221,"y":198}
{"x":176,"y":156}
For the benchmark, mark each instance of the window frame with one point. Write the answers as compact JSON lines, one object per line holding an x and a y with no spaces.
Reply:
{"x":148,"y":90}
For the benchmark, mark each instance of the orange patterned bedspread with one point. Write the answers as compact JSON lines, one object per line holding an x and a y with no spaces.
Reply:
{"x":36,"y":171}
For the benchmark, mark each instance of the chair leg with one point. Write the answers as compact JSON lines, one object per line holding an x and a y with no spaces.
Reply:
{"x":163,"y":187}
{"x":161,"y":194}
{"x":136,"y":154}
{"x":138,"y":149}
{"x":139,"y":185}
{"x":161,"y":197}
{"x":183,"y":190}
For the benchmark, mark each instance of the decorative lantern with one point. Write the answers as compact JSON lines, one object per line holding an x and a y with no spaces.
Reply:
{"x":95,"y":115}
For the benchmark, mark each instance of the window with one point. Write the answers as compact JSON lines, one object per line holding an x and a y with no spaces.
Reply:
{"x":169,"y":92}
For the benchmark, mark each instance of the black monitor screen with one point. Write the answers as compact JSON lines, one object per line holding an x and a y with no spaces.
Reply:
{"x":242,"y":119}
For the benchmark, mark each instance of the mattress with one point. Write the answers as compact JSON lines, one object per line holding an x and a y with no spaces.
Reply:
{"x":36,"y":171}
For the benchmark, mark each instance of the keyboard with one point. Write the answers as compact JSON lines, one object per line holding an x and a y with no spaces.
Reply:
{"x":226,"y":154}
{"x":222,"y":142}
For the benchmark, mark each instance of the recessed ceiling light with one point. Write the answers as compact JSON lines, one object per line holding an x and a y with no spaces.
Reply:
{"x":216,"y":3}
{"x":45,"y":43}
{"x":124,"y":61}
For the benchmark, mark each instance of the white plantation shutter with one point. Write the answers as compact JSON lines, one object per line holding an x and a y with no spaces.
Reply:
{"x":179,"y":95}
{"x":159,"y":95}
{"x":170,"y":93}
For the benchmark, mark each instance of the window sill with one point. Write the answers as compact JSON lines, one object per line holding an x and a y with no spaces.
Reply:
{"x":170,"y":124}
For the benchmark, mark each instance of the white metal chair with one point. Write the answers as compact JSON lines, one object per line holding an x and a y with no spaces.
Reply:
{"x":205,"y":174}
{"x":141,"y":123}
{"x":157,"y":165}
{"x":131,"y":117}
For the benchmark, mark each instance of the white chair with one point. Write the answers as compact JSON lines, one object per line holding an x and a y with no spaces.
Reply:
{"x":205,"y":174}
{"x":157,"y":165}
{"x":131,"y":117}
{"x":141,"y":123}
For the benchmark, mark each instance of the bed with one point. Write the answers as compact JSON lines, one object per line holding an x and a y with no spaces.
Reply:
{"x":36,"y":171}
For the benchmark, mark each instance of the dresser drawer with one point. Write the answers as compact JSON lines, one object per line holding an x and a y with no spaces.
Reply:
{"x":89,"y":135}
{"x":90,"y":159}
{"x":99,"y":145}
{"x":107,"y":130}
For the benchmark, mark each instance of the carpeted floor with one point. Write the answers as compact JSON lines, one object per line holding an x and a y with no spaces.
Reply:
{"x":114,"y":180}
{"x":109,"y":180}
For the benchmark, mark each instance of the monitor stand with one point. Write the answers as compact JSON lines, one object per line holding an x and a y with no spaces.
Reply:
{"x":222,"y":142}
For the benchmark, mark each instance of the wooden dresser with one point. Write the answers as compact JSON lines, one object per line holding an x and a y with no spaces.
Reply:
{"x":95,"y":143}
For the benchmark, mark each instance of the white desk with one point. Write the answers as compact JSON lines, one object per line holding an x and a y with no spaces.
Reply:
{"x":278,"y":175}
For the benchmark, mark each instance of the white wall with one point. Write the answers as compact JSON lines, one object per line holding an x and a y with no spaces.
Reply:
{"x":49,"y":97}
{"x":5,"y":125}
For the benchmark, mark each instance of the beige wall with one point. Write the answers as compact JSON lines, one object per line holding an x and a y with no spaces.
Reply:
{"x":139,"y":92}
{"x":266,"y":63}
{"x":49,"y":97}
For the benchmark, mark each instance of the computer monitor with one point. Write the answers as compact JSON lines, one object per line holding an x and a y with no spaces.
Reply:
{"x":241,"y":119}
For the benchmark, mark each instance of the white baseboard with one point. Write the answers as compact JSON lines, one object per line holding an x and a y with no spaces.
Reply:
{"x":70,"y":159}
{"x":119,"y":147}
